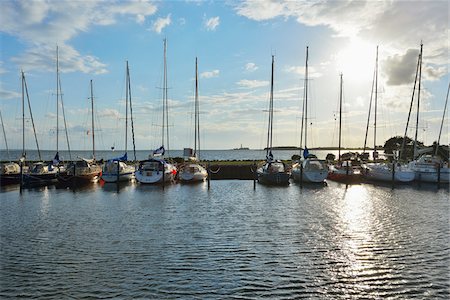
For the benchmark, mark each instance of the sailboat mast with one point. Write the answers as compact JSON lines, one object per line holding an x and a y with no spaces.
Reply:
{"x":340,"y":117}
{"x":270,"y":126}
{"x":306,"y":97}
{"x":375,"y":108}
{"x":23,"y":115}
{"x":442,"y":122}
{"x":196,"y":116}
{"x":131,"y":112}
{"x":402,"y":151}
{"x":92,"y":118}
{"x":57,"y":100}
{"x":4,"y":135}
{"x":126,"y":108}
{"x":31,"y":116}
{"x":418,"y":100}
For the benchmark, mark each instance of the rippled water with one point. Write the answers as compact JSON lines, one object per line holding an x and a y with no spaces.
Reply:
{"x":186,"y":242}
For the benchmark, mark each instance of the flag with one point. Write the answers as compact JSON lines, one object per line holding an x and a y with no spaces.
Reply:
{"x":269,"y":157}
{"x":305,"y":153}
{"x":56,"y":159}
{"x":159,"y":151}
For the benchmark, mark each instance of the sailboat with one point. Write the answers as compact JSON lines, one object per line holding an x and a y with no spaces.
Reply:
{"x":156,"y":169}
{"x":10,"y":171}
{"x":192,"y":171}
{"x":310,"y":169}
{"x":382,"y":171}
{"x":116,"y":169}
{"x":427,"y":167}
{"x":347,"y":169}
{"x":84,"y":170}
{"x":39,"y":173}
{"x":272,"y":172}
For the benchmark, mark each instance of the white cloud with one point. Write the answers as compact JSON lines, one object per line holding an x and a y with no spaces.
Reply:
{"x":212,"y":23}
{"x":312,"y":72}
{"x":46,"y":23}
{"x":210,"y":74}
{"x":160,"y":23}
{"x":251,"y":67}
{"x":2,"y":70}
{"x":252,"y":83}
{"x":4,"y":94}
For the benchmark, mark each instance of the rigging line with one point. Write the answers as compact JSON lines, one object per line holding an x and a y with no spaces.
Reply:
{"x":418,"y":100}
{"x":31,"y":115}
{"x":4,"y":135}
{"x":131,"y":113}
{"x":442,"y":122}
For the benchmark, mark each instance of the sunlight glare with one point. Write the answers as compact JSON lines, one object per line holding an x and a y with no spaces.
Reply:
{"x":357,"y":60}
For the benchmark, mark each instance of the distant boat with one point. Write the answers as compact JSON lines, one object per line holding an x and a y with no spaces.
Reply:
{"x":347,"y":169}
{"x":116,"y":169}
{"x":382,"y":171}
{"x":241,"y":148}
{"x":310,"y":169}
{"x":192,"y":171}
{"x":272,"y":172}
{"x":84,"y":170}
{"x":156,"y":169}
{"x":427,"y":167}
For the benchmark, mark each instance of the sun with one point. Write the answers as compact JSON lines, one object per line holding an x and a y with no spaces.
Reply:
{"x":357,"y":60}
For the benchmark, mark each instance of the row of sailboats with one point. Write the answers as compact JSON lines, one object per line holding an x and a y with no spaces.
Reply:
{"x":350,"y":168}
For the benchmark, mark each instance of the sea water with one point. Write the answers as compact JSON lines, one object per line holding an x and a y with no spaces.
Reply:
{"x":231,"y":241}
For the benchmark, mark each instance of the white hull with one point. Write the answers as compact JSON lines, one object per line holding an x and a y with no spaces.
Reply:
{"x":314,"y":171}
{"x":192,"y":173}
{"x":150,"y":177}
{"x":109,"y":173}
{"x":430,"y":168}
{"x":432,"y":175}
{"x":383,"y":172}
{"x":122,"y":177}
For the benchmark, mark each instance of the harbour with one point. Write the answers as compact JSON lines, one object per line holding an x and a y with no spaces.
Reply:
{"x":140,"y":241}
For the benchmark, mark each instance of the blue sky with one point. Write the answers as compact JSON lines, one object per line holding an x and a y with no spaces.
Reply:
{"x":234,"y":41}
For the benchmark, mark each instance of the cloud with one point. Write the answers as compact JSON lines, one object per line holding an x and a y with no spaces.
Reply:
{"x":45,"y":23}
{"x":160,"y":23}
{"x":252,"y":83}
{"x":210,"y":74}
{"x":4,"y":94}
{"x":2,"y":70}
{"x":70,"y":60}
{"x":401,"y":69}
{"x":312,"y":72}
{"x":109,"y":113}
{"x":251,"y":67}
{"x":212,"y":23}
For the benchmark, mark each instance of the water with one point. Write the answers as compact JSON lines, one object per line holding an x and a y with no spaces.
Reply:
{"x":231,"y":242}
{"x":143,"y":154}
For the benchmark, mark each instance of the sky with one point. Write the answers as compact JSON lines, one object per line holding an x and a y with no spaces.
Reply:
{"x":234,"y":42}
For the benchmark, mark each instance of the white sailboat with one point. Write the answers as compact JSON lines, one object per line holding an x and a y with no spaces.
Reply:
{"x":383,"y":171}
{"x":115,"y":170}
{"x":310,"y":169}
{"x":347,"y":169}
{"x":428,"y":167}
{"x":192,"y":171}
{"x":272,"y":172}
{"x":156,"y":169}
{"x":84,"y":170}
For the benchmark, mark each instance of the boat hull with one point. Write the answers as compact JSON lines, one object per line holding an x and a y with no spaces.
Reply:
{"x":154,"y":177}
{"x":6,"y":179}
{"x":382,"y":172}
{"x":192,"y":173}
{"x":274,"y":178}
{"x":31,"y":179}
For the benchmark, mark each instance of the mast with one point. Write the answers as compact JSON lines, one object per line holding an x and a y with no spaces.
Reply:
{"x":402,"y":151}
{"x":4,"y":135}
{"x":31,"y":116}
{"x":340,"y":117}
{"x":306,"y":97}
{"x":270,"y":126}
{"x":65,"y":124}
{"x":92,"y":117}
{"x":442,"y":122}
{"x":131,"y":111}
{"x":197,"y":117}
{"x":23,"y":115}
{"x":370,"y":108}
{"x":126,"y":107}
{"x":418,"y":100}
{"x":165,"y":124}
{"x":375,"y":112}
{"x":57,"y":100}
